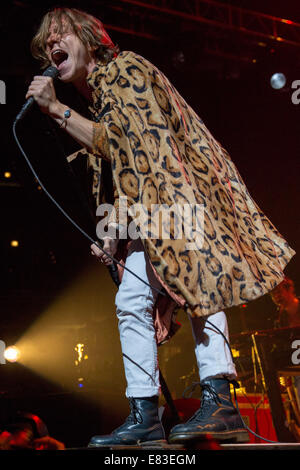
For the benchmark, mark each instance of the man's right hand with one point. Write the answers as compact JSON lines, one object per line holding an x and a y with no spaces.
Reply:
{"x":43,"y":91}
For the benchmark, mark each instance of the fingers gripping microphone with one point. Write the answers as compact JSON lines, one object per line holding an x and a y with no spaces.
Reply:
{"x":49,"y":72}
{"x":112,"y":268}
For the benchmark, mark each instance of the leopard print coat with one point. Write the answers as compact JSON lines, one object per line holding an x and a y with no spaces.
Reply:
{"x":162,"y":153}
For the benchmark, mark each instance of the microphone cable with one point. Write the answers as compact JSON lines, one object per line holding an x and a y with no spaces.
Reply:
{"x":114,"y":270}
{"x":236,"y":385}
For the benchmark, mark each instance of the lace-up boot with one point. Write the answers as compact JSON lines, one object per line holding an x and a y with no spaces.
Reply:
{"x":216,"y":417}
{"x":142,"y":426}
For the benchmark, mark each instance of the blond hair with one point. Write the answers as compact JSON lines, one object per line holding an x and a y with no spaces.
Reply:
{"x":87,"y":28}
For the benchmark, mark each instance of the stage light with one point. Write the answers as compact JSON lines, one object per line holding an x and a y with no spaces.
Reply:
{"x":12,"y":354}
{"x":287,"y":21}
{"x":278,"y":81}
{"x":80,"y":382}
{"x":235,"y":352}
{"x":14,"y":243}
{"x":7,"y":174}
{"x":79,"y":349}
{"x":60,"y":345}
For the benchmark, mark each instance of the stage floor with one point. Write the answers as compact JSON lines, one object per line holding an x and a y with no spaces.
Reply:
{"x":213,"y":445}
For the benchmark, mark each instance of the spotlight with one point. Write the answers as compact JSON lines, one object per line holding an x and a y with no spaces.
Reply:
{"x":12,"y":354}
{"x":278,"y":81}
{"x":14,"y":243}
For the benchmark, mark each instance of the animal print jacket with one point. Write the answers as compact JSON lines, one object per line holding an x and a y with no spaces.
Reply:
{"x":160,"y":152}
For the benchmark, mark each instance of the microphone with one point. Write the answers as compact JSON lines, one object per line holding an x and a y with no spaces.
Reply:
{"x":113,"y":270}
{"x":52,"y":72}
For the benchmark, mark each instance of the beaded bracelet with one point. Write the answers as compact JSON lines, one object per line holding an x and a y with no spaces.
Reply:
{"x":67,"y":114}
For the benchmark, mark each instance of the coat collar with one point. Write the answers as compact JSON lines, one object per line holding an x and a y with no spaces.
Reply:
{"x":94,"y":79}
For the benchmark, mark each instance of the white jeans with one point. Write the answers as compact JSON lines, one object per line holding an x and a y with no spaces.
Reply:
{"x":134,"y":302}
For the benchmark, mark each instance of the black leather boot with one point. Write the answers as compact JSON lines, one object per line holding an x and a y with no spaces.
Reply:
{"x":216,"y":417}
{"x":142,"y":426}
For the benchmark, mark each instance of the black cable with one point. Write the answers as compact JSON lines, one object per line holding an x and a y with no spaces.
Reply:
{"x":83,"y":232}
{"x":235,"y":386}
{"x":162,"y":292}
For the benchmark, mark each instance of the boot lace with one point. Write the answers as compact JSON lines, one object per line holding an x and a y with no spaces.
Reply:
{"x":135,"y":415}
{"x":208,"y":395}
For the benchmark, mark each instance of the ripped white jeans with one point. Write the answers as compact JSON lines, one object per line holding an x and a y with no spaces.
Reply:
{"x":134,"y":302}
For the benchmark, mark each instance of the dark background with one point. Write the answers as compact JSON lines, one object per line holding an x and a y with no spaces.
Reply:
{"x":224,"y":74}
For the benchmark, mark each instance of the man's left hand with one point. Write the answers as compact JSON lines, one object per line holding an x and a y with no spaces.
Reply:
{"x":110,"y":246}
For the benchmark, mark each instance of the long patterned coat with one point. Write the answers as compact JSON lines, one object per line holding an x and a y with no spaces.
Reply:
{"x":161,"y":152}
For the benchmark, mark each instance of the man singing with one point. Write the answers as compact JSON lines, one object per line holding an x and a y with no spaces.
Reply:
{"x":159,"y":153}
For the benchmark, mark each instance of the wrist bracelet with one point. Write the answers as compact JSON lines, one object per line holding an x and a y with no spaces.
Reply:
{"x":67,"y":114}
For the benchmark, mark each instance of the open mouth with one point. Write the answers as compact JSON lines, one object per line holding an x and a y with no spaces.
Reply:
{"x":59,"y":57}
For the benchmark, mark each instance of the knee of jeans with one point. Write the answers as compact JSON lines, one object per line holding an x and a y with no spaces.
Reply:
{"x":127,"y":301}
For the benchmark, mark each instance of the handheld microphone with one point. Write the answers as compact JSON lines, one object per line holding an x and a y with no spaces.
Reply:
{"x":52,"y":72}
{"x":114,"y":273}
{"x":112,"y":268}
